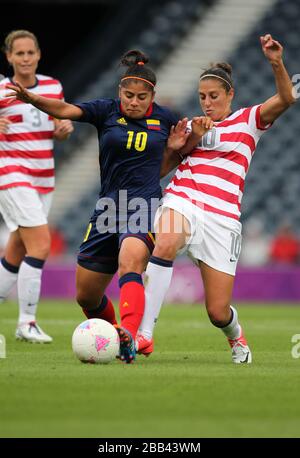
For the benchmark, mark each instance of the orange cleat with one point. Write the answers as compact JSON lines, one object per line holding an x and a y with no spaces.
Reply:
{"x":144,"y":346}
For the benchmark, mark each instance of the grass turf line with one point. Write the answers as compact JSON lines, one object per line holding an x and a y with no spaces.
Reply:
{"x":188,"y":388}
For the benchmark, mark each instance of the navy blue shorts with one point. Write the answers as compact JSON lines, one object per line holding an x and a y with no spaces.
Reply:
{"x":99,"y":252}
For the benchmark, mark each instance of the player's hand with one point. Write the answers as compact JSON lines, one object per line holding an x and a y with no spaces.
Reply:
{"x":4,"y":123}
{"x":63,"y":129}
{"x":19,"y":92}
{"x":178,"y":135}
{"x":201,"y":125}
{"x":272,"y":49}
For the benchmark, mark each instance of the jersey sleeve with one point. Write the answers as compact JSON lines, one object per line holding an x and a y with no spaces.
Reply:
{"x":254,"y":121}
{"x":171,"y":117}
{"x":94,"y":111}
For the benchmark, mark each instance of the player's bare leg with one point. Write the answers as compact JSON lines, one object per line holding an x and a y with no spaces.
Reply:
{"x":218,"y":288}
{"x":91,"y":296}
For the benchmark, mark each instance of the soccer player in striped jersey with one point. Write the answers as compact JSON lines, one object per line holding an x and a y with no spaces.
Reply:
{"x":27,"y":179}
{"x":204,"y":200}
{"x":133,"y":132}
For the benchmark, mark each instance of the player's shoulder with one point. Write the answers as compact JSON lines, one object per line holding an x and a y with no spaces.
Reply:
{"x":164,"y":112}
{"x":99,"y":109}
{"x":162,"y":109}
{"x":237,"y":117}
{"x":4,"y":82}
{"x":240,"y":112}
{"x":46,"y":80}
{"x":104,"y":104}
{"x":246,"y":111}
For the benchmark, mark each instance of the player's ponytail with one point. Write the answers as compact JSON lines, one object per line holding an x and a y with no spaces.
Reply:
{"x":133,"y":58}
{"x":137,"y":69}
{"x":222,"y":71}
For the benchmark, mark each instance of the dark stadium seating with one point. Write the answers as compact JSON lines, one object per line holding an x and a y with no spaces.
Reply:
{"x":156,"y":34}
{"x":168,"y":23}
{"x":273,"y":183}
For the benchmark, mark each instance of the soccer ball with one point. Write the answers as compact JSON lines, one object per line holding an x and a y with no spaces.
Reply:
{"x":95,"y":341}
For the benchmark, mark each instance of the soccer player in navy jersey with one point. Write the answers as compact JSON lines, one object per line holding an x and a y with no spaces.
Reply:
{"x":133,"y":134}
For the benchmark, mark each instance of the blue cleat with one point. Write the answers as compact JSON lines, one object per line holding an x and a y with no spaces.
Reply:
{"x":127,"y":345}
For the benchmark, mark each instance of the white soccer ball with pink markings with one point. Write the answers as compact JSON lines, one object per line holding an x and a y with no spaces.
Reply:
{"x":95,"y":341}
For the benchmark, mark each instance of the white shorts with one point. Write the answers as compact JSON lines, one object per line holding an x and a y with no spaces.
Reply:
{"x":215,"y":239}
{"x":24,"y":207}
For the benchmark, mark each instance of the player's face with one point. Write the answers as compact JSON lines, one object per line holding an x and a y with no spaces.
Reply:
{"x":24,"y":57}
{"x":135,"y":99}
{"x":214,"y":100}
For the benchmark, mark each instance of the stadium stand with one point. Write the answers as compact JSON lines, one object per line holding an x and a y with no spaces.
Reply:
{"x":272,"y":185}
{"x":168,"y":24}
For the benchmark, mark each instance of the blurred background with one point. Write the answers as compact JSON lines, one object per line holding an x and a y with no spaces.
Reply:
{"x":81,"y":44}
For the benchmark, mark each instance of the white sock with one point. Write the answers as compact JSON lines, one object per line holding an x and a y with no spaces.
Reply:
{"x":29,"y":287}
{"x":233,"y":329}
{"x":157,"y":281}
{"x":8,"y":278}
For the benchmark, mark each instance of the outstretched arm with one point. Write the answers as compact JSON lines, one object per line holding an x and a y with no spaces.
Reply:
{"x":56,"y":108}
{"x":272,"y":108}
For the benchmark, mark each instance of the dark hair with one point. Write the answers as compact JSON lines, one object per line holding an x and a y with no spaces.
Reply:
{"x":222,"y":71}
{"x":136,"y":62}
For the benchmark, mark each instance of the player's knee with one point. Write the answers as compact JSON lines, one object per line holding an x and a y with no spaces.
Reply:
{"x":45,"y":249}
{"x":43,"y":252}
{"x":19,"y":248}
{"x":130,"y":265}
{"x":18,"y":244}
{"x":165,"y":249}
{"x":40,"y":249}
{"x":217,"y":314}
{"x":83,"y":300}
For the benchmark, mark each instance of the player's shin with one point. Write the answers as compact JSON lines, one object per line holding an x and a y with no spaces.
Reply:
{"x":132,"y":301}
{"x":29,"y":288}
{"x":232,"y":330}
{"x":157,"y":281}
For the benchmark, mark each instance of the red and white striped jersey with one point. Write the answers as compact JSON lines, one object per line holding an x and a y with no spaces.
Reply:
{"x":213,"y":175}
{"x":26,"y":149}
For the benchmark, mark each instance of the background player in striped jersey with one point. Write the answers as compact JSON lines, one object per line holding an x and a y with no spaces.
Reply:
{"x":133,"y":134}
{"x":204,"y":199}
{"x":27,"y":179}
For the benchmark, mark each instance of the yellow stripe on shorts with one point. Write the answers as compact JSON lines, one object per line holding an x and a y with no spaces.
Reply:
{"x":87,"y":232}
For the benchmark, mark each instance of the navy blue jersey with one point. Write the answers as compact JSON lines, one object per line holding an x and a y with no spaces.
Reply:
{"x":131,"y":150}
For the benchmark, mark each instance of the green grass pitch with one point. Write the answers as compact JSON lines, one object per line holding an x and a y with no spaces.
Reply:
{"x":188,"y":388}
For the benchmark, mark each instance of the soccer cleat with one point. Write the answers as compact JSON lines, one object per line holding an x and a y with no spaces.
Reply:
{"x":144,"y":346}
{"x":31,"y":332}
{"x":240,"y":351}
{"x":127,"y":345}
